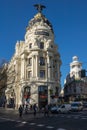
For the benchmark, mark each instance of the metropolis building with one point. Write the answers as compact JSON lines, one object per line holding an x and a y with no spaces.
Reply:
{"x":33,"y":74}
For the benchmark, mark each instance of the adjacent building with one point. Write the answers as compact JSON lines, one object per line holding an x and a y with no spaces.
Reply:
{"x":33,"y":74}
{"x":3,"y":83}
{"x":75,"y":86}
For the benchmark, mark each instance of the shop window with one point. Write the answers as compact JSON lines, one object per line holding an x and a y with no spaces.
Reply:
{"x":26,"y":92}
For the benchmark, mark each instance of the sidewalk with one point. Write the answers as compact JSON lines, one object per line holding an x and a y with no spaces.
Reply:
{"x":14,"y":114}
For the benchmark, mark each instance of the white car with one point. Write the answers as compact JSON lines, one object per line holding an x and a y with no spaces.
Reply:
{"x":64,"y":108}
{"x":76,"y":106}
{"x":54,"y":109}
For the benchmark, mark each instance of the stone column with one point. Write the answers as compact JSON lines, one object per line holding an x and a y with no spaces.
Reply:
{"x":48,"y":76}
{"x":18,"y":96}
{"x":37,"y":65}
{"x":23,"y":66}
{"x":32,"y":66}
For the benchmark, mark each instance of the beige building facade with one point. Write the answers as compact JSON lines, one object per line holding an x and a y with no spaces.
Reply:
{"x":33,"y":74}
{"x":75,"y":86}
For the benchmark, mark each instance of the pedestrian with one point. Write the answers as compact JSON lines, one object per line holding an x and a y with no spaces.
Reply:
{"x":20,"y":111}
{"x":26,"y":109}
{"x":35,"y":109}
{"x":46,"y":111}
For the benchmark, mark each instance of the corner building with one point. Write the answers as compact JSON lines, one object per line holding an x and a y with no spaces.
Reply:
{"x":75,"y":87}
{"x":33,"y":74}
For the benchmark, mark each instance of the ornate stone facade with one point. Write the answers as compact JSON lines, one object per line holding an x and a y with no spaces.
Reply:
{"x":75,"y":87}
{"x":33,"y":74}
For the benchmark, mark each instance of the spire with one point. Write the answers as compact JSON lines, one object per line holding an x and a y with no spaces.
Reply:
{"x":39,"y":7}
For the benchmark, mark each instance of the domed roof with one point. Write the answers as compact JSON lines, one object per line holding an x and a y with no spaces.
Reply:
{"x":39,"y":17}
{"x":75,"y":59}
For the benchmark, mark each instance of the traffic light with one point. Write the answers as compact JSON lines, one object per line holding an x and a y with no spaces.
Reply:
{"x":83,"y":73}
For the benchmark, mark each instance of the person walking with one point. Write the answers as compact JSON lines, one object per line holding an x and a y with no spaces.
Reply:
{"x":35,"y":109}
{"x":20,"y":111}
{"x":46,"y":110}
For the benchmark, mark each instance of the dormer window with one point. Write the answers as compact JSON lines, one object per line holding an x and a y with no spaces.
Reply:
{"x":30,"y":45}
{"x":41,"y":45}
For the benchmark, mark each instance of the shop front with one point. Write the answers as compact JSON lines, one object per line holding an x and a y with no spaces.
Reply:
{"x":42,"y":96}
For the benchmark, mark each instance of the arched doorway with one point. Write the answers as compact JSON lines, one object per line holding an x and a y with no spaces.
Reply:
{"x":42,"y":96}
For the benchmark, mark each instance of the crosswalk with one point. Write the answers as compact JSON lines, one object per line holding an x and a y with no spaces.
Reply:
{"x":79,"y":116}
{"x":21,"y":123}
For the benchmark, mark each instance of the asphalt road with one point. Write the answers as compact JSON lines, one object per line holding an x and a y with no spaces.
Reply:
{"x":73,"y":121}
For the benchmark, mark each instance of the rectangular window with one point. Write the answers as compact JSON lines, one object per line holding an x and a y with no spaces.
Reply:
{"x":30,"y":61}
{"x":29,"y":74}
{"x":41,"y":45}
{"x":42,"y":61}
{"x":30,"y":45}
{"x":56,"y":91}
{"x":42,"y":73}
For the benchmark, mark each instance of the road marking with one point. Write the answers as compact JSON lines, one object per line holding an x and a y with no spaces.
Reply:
{"x":83,"y":118}
{"x":6,"y":119}
{"x":32,"y":123}
{"x":76,"y":117}
{"x":24,"y":122}
{"x":50,"y":127}
{"x":61,"y":129}
{"x":68,"y":116}
{"x":18,"y":121}
{"x":40,"y":125}
{"x":62,"y":116}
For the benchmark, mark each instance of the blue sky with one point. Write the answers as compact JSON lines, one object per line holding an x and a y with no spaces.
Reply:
{"x":69,"y":20}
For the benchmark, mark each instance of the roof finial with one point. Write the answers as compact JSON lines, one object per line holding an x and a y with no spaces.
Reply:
{"x":39,"y":7}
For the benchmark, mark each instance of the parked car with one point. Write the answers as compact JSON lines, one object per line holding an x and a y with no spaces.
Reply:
{"x":64,"y":108}
{"x":76,"y":106}
{"x":85,"y":104}
{"x":54,"y":109}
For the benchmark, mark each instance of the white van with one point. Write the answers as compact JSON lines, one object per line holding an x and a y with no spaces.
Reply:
{"x":64,"y":108}
{"x":76,"y":106}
